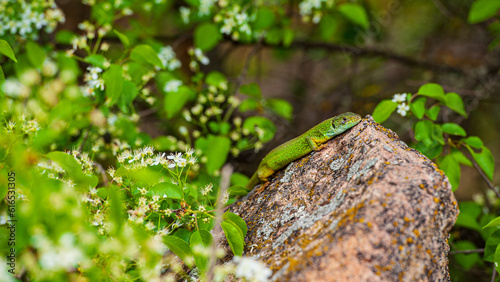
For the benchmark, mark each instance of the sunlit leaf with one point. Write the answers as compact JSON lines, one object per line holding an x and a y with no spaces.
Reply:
{"x":234,"y":237}
{"x":355,"y":13}
{"x":482,"y":10}
{"x":453,"y":129}
{"x":6,"y":50}
{"x":384,"y":110}
{"x":206,"y":36}
{"x":432,"y":90}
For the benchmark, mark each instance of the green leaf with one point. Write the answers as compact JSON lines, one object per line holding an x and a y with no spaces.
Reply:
{"x":460,"y":157}
{"x":127,"y":96}
{"x":216,"y":79}
{"x":175,"y":101}
{"x":433,"y":112}
{"x":238,"y":190}
{"x":437,"y":134}
{"x":225,"y":127}
{"x":384,"y":110}
{"x":267,"y":126}
{"x":473,"y":141}
{"x":252,"y":90}
{"x":183,"y":234}
{"x":482,"y":10}
{"x":455,"y":102}
{"x":493,"y":223}
{"x":36,"y":54}
{"x":113,"y":80}
{"x":491,"y":246}
{"x":355,"y":13}
{"x":239,"y":179}
{"x":432,"y":90}
{"x":2,"y":76}
{"x":280,"y":107}
{"x":179,"y":247}
{"x":74,"y":170}
{"x":485,"y":161}
{"x":466,"y":261}
{"x":288,"y":36}
{"x":423,"y":131}
{"x":65,"y":36}
{"x":123,"y":38}
{"x":116,"y":210}
{"x":453,"y":129}
{"x":201,"y":238}
{"x":167,"y":190}
{"x":217,"y":154}
{"x":467,"y":220}
{"x":206,"y":36}
{"x":236,"y":219}
{"x":451,"y":168}
{"x":328,"y":26}
{"x":213,"y":126}
{"x":6,"y":50}
{"x":146,"y":54}
{"x":96,"y":60}
{"x":496,"y":259}
{"x":248,"y":105}
{"x":234,"y":237}
{"x":418,"y":107}
{"x":164,"y":143}
{"x":264,"y":19}
{"x":274,"y":36}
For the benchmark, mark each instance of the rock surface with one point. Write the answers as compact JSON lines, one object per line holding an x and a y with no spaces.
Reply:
{"x":366,"y":207}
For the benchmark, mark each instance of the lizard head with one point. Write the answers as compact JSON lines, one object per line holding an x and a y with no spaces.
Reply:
{"x":342,"y":122}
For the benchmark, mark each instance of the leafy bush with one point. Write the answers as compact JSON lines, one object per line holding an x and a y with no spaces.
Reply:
{"x":115,"y":133}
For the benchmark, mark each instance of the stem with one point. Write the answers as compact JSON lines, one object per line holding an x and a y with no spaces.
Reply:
{"x":467,"y":251}
{"x":226,"y":172}
{"x":481,"y":172}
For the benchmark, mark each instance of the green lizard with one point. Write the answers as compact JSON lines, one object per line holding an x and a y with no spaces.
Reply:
{"x":300,"y":146}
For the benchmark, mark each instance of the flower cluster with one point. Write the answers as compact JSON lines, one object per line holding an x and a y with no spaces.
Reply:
{"x":172,"y":85}
{"x":197,"y":56}
{"x":167,"y":57}
{"x":25,"y":126}
{"x":14,"y":88}
{"x":93,"y":81}
{"x":84,"y":160}
{"x":310,"y":10}
{"x":403,"y":108}
{"x":235,"y":22}
{"x":64,"y":255}
{"x":28,"y":18}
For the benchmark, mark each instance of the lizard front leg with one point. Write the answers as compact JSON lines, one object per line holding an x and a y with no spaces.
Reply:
{"x":263,"y":173}
{"x":312,"y":143}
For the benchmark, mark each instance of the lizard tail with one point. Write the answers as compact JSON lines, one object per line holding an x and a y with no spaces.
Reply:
{"x":252,"y":182}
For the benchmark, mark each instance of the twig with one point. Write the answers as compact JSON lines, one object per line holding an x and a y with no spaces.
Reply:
{"x":467,"y":251}
{"x":367,"y":52}
{"x":494,"y":274}
{"x":481,"y":172}
{"x":226,"y":172}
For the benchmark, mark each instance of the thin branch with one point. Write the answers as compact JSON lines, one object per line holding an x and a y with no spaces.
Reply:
{"x":467,"y":251}
{"x":366,"y":52}
{"x":494,"y":274}
{"x":483,"y":175}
